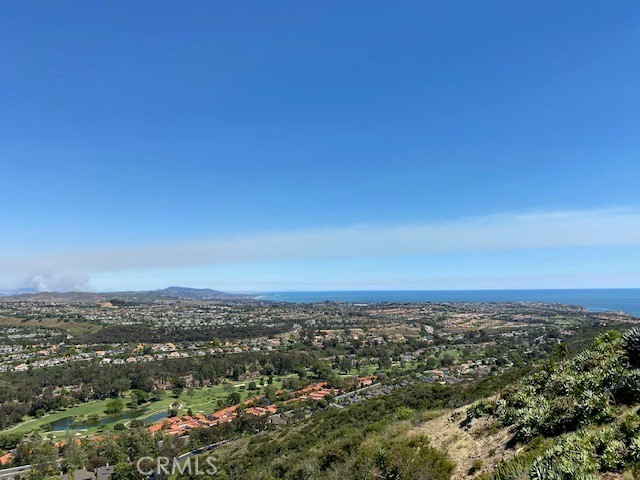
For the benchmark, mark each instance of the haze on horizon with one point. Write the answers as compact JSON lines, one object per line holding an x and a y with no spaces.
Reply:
{"x":334,"y":146}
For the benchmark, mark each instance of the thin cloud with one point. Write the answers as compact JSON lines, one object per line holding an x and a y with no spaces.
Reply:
{"x":559,"y":229}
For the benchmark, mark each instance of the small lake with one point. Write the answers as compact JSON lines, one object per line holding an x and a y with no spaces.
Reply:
{"x":67,"y":423}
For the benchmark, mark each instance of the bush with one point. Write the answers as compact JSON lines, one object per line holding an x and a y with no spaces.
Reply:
{"x":476,"y":465}
{"x":632,"y":346}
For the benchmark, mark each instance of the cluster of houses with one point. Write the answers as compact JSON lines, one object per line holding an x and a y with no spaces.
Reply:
{"x":367,"y":390}
{"x":14,"y":358}
{"x":256,"y":406}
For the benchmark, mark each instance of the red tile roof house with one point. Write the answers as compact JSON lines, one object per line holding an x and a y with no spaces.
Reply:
{"x":181,"y":425}
{"x":257,"y":411}
{"x":6,"y":458}
{"x":225,"y":412}
{"x":365,"y":381}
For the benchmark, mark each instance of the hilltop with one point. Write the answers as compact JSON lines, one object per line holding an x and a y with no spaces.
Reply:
{"x":170,"y":293}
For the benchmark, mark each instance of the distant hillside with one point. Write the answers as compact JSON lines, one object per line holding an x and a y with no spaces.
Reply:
{"x":17,"y":291}
{"x":198,"y":294}
{"x":170,"y":293}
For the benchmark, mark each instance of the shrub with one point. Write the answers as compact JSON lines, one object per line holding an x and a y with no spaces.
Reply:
{"x":476,"y":465}
{"x":632,"y":346}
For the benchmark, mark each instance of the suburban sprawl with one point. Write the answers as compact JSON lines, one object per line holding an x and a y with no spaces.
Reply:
{"x":89,"y":381}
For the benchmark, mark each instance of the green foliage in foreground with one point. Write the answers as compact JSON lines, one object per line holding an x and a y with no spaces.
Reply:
{"x":632,"y":346}
{"x":363,"y":441}
{"x":581,"y":455}
{"x":572,"y":412}
{"x":582,"y":392}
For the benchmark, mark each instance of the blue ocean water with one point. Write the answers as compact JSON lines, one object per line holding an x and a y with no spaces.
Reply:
{"x":621,"y":299}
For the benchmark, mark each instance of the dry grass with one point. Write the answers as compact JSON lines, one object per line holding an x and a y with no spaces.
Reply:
{"x":74,"y":328}
{"x":464,"y":444}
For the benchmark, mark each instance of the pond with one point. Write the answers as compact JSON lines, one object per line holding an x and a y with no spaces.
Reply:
{"x":67,"y":423}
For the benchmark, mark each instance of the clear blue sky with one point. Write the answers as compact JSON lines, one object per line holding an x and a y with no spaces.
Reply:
{"x":189,"y":132}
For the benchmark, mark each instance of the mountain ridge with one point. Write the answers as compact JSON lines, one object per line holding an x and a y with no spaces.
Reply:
{"x":169,"y":293}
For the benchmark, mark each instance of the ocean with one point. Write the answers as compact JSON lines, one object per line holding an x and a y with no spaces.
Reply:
{"x":614,"y":299}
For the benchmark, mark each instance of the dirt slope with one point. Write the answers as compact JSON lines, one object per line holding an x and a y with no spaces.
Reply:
{"x":465,"y":443}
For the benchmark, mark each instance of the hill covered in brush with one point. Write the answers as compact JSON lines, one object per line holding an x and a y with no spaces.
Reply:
{"x":578,"y":419}
{"x":567,"y":419}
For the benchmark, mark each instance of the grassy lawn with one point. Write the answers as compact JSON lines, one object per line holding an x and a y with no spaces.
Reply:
{"x":200,"y":400}
{"x":455,"y":354}
{"x":365,"y":370}
{"x":82,"y":410}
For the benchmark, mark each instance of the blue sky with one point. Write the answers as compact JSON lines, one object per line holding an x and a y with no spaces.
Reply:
{"x":214,"y":144}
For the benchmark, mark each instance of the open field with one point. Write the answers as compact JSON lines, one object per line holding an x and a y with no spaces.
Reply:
{"x":71,"y":327}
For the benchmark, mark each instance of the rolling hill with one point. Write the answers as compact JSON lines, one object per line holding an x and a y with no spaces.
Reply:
{"x":172,"y":293}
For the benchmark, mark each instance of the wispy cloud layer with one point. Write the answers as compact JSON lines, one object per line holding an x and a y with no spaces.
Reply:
{"x":588,"y":228}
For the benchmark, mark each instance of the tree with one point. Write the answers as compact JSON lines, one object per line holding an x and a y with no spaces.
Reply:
{"x":158,"y":395}
{"x":177,"y":391}
{"x":384,"y":362}
{"x":560,"y":351}
{"x":345,"y":364}
{"x":36,"y":451}
{"x":123,"y":471}
{"x":270,"y":393}
{"x":73,"y":455}
{"x":301,"y":371}
{"x":138,"y":397}
{"x":233,"y":398}
{"x":114,"y":406}
{"x":446,"y":360}
{"x":119,"y":386}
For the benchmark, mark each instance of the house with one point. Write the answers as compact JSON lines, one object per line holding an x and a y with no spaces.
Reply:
{"x":80,"y":475}
{"x":224,"y":413}
{"x":6,"y":458}
{"x":256,"y":411}
{"x":278,"y":420}
{"x":104,"y":473}
{"x":366,"y":381}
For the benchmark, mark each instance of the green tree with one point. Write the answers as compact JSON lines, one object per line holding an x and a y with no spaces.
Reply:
{"x":177,"y":391}
{"x":138,"y":397}
{"x":158,"y":395}
{"x":384,"y":362}
{"x":446,"y":360}
{"x":560,"y":351}
{"x":114,"y":406}
{"x":123,"y":471}
{"x":73,"y":455}
{"x":270,"y":393}
{"x":36,"y":451}
{"x":233,"y":398}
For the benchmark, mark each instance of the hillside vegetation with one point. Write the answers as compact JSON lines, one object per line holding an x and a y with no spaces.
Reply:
{"x":575,"y":420}
{"x":571,"y":419}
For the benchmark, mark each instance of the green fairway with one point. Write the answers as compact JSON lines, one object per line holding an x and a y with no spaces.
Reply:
{"x":200,"y":400}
